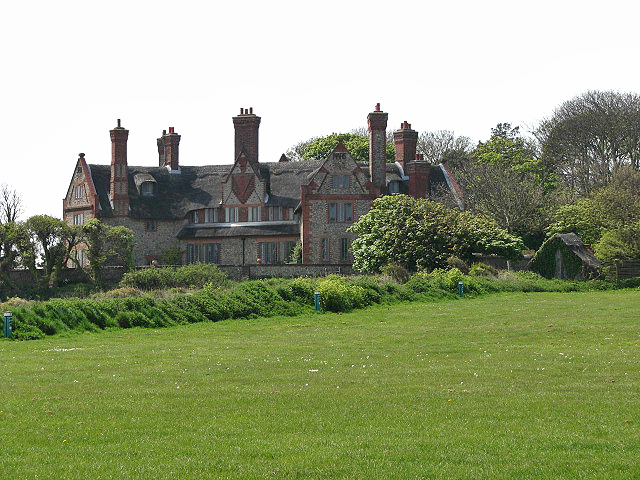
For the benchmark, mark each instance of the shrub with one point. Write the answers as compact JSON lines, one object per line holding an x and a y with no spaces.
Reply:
{"x":483,"y":270}
{"x":456,"y":262}
{"x":336,"y":295}
{"x":191,"y":276}
{"x":395,"y":272}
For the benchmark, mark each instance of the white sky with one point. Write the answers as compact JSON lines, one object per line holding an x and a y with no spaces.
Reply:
{"x":70,"y":68}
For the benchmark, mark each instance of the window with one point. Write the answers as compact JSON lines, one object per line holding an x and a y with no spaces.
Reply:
{"x":211,"y":215}
{"x":290,"y":212}
{"x":79,"y":191}
{"x":324,"y":249}
{"x":394,"y":187}
{"x":231,"y":214}
{"x":203,"y":253}
{"x":212,"y":253}
{"x":254,"y":214}
{"x":344,"y":249}
{"x":268,"y":252}
{"x":78,"y":219}
{"x":146,"y":189}
{"x":150,"y":225}
{"x":340,"y":212}
{"x":340,"y":181}
{"x":275,"y":213}
{"x":79,"y":255}
{"x":194,"y":217}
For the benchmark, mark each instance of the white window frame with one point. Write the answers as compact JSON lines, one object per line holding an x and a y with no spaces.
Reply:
{"x":231,"y":214}
{"x":254,"y":214}
{"x":78,"y":219}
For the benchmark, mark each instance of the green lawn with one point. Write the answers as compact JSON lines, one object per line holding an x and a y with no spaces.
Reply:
{"x":506,"y":386}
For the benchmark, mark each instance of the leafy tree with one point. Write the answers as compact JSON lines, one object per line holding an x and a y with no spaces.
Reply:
{"x":504,"y":180}
{"x":10,"y":237}
{"x":609,"y":208}
{"x":321,"y":147}
{"x":618,"y":246}
{"x":106,"y":245}
{"x":588,"y":138}
{"x":420,"y":234}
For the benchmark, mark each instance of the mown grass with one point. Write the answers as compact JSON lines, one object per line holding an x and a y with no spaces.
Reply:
{"x":537,"y":385}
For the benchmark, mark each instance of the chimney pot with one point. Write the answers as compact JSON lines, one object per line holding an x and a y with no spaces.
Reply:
{"x":119,"y":124}
{"x":164,"y":132}
{"x":377,"y":107}
{"x":241,"y":111}
{"x":171,"y":130}
{"x":81,"y":155}
{"x":250,"y":110}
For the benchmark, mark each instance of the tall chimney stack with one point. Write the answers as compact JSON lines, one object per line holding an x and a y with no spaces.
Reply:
{"x":246,"y":137}
{"x":377,"y":122}
{"x":170,"y":144}
{"x":405,"y":140}
{"x":119,"y":184}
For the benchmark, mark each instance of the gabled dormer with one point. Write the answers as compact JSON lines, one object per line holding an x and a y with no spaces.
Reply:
{"x":339,"y":174}
{"x":244,"y":184}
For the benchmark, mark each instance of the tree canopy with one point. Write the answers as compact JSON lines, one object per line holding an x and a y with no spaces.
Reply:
{"x":420,"y":234}
{"x":321,"y":147}
{"x":588,"y":138}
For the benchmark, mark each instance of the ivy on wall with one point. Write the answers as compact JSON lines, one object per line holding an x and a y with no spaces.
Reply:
{"x":544,"y":261}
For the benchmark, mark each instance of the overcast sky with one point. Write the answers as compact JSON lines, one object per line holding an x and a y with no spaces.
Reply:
{"x":70,"y":69}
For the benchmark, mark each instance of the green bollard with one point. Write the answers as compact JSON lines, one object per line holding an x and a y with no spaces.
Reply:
{"x":461,"y":289}
{"x":316,"y":300}
{"x":8,"y":332}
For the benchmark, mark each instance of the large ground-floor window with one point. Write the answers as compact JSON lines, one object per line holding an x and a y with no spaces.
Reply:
{"x":203,"y":253}
{"x":268,"y":252}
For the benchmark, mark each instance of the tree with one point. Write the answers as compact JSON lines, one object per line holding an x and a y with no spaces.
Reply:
{"x":609,"y":208}
{"x":321,"y":147}
{"x":618,"y":246}
{"x":10,"y":204}
{"x":504,"y":180}
{"x":588,"y":138}
{"x":46,"y":247}
{"x":106,"y":245}
{"x":420,"y":234}
{"x":443,"y":146}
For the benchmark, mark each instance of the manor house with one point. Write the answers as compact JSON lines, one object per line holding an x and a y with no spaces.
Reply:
{"x":248,"y":212}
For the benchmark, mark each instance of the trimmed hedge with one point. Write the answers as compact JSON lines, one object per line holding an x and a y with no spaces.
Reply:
{"x":35,"y":319}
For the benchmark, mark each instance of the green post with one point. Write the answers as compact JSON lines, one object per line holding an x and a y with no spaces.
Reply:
{"x":8,"y":332}
{"x":461,"y":289}
{"x":316,"y":300}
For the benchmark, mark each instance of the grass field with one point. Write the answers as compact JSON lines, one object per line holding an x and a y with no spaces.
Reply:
{"x":507,"y":386}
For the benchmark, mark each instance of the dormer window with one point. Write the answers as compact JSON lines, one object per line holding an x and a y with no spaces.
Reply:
{"x":146,"y":189}
{"x":194,"y":217}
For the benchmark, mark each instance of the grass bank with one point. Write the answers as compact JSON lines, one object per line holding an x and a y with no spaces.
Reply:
{"x":517,"y":386}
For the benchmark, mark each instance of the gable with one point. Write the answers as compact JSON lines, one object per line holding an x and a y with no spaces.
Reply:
{"x":243,"y":184}
{"x":339,"y":174}
{"x":81,"y":192}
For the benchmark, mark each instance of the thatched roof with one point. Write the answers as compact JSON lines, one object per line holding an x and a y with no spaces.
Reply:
{"x":573,"y":243}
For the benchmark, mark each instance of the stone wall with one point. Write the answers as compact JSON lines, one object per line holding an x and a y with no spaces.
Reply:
{"x":149,"y":244}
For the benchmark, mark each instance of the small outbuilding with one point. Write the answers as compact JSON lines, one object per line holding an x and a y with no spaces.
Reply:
{"x":565,"y":256}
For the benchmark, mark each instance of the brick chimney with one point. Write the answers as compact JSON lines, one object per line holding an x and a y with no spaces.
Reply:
{"x":246,"y":126}
{"x":119,"y":185}
{"x":170,"y":143}
{"x":418,"y":173}
{"x":161,"y":155}
{"x":377,"y":122}
{"x":405,"y":140}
